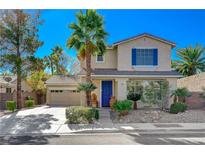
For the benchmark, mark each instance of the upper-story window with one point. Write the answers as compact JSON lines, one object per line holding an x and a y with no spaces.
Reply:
{"x":8,"y":90}
{"x":100,"y":58}
{"x":144,"y":57}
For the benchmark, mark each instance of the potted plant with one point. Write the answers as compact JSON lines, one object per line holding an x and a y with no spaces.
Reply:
{"x":134,"y":97}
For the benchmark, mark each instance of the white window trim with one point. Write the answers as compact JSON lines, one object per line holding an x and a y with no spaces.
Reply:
{"x":96,"y":59}
{"x":146,"y":66}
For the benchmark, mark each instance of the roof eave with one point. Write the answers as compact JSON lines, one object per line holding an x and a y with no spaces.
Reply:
{"x":145,"y":35}
{"x":146,"y":76}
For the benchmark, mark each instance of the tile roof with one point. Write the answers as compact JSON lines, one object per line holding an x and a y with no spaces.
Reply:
{"x":115,"y":72}
{"x":62,"y":79}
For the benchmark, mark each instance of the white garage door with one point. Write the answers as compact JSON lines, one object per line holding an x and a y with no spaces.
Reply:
{"x":65,"y":97}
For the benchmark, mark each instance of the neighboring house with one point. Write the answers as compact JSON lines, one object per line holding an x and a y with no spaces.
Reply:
{"x":141,"y":58}
{"x":194,"y":84}
{"x":8,"y":84}
{"x":8,"y":89}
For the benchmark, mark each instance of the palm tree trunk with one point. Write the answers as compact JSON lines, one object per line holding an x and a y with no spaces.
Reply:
{"x":88,"y":76}
{"x":52,"y":70}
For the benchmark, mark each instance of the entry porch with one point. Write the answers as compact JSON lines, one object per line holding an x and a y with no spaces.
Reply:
{"x":120,"y":87}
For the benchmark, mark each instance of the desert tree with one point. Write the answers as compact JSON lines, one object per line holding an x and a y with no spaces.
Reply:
{"x":19,"y":41}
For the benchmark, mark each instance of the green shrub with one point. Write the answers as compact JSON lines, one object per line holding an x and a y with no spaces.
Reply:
{"x":80,"y":114}
{"x":122,"y":107}
{"x":29,"y":103}
{"x":29,"y":98}
{"x":133,"y":96}
{"x":97,"y":115}
{"x":178,"y":107}
{"x":11,"y":105}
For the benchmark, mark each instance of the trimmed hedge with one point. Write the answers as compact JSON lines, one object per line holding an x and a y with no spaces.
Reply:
{"x":81,"y":115}
{"x":178,"y":107}
{"x":122,"y":107}
{"x":29,"y":103}
{"x":11,"y":105}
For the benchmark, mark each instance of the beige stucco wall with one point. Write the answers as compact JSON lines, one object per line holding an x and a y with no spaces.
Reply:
{"x":164,"y":55}
{"x":193,"y":83}
{"x":121,"y":88}
{"x":24,"y":87}
{"x":172,"y":86}
{"x":97,"y":90}
{"x":110,"y":60}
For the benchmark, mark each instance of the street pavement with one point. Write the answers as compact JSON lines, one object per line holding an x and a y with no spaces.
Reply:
{"x":123,"y":138}
{"x":46,"y":125}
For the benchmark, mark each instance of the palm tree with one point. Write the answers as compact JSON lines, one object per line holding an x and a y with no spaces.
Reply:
{"x":56,"y":61}
{"x":88,"y":38}
{"x":191,"y":60}
{"x":180,"y":94}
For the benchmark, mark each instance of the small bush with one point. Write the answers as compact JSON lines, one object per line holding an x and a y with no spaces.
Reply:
{"x":29,"y":103}
{"x":11,"y":105}
{"x":80,"y":114}
{"x":178,"y":107}
{"x":122,"y":107}
{"x":133,"y":96}
{"x":97,"y":115}
{"x":29,"y":98}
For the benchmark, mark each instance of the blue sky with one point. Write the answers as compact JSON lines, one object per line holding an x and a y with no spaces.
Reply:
{"x":185,"y":27}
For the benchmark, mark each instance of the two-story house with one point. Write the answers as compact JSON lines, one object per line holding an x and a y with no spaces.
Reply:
{"x":125,"y":66}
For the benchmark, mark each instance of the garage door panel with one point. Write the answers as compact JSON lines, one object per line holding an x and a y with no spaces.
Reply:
{"x":67,"y":98}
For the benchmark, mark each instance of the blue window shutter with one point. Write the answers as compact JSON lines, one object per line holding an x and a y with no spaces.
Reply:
{"x":155,"y":57}
{"x":134,"y":56}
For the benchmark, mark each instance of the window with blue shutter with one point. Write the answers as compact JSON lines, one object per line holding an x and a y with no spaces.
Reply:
{"x":145,"y":56}
{"x":134,"y":57}
{"x":155,"y":57}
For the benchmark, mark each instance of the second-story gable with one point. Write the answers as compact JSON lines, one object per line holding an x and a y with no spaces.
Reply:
{"x":144,"y":52}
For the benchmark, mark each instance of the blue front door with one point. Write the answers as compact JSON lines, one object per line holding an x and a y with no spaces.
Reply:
{"x":106,"y":93}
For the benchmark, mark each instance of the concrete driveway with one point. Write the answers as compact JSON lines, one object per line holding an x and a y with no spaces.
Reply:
{"x":37,"y":120}
{"x":46,"y":120}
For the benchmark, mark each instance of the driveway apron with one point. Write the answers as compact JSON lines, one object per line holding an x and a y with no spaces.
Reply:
{"x":37,"y":120}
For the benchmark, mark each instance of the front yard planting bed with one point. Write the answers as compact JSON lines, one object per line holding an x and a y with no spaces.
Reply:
{"x":81,"y":115}
{"x":159,"y":116}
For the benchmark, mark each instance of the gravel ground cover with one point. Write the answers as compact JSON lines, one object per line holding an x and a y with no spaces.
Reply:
{"x":158,"y":116}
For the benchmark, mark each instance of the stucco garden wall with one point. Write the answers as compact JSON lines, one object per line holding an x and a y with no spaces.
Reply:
{"x":194,"y":84}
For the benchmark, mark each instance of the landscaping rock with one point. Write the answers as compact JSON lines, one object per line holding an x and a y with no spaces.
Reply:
{"x":158,"y":116}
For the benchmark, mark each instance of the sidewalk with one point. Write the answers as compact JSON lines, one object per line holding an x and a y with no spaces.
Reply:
{"x":96,"y":128}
